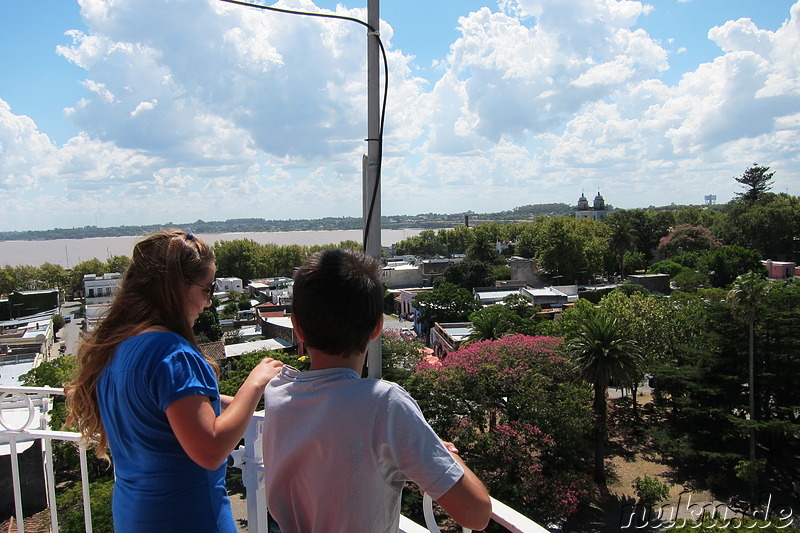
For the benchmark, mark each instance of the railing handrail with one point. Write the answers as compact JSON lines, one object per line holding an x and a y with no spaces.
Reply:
{"x":37,"y":400}
{"x":31,"y":390}
{"x":248,"y":458}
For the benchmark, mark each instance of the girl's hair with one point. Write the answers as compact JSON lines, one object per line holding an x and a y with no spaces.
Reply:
{"x":152,"y":293}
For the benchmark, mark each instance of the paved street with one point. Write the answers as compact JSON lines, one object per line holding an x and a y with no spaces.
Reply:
{"x":68,"y":335}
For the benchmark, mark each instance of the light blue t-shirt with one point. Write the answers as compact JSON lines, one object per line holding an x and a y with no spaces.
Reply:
{"x":338,"y":450}
{"x":158,"y":487}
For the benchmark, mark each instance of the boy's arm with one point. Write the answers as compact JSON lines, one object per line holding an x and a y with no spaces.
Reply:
{"x":467,"y":502}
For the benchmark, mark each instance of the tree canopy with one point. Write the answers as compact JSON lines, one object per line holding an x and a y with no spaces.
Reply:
{"x":757,"y":181}
{"x":518,"y":417}
{"x":446,"y":303}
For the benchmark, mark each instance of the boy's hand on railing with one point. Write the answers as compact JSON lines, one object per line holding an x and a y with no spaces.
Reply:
{"x":450,"y":447}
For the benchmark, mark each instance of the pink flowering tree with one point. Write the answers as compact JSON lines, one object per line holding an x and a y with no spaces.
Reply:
{"x":519,"y":417}
{"x":687,"y":238}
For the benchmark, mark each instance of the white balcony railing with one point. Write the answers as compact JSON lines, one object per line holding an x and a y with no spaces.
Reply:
{"x":23,"y":420}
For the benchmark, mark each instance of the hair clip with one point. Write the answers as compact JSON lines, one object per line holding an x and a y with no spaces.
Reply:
{"x":190,"y":236}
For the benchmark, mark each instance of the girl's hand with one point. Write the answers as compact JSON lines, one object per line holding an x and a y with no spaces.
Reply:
{"x":264,"y":371}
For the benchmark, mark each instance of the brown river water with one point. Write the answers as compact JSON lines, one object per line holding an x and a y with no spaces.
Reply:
{"x":70,"y":252}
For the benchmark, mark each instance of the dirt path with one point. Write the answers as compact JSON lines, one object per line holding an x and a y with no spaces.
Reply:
{"x":628,"y":459}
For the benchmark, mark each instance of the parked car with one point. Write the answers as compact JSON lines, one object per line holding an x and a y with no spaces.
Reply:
{"x":67,"y":319}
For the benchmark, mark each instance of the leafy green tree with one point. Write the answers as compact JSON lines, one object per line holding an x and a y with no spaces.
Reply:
{"x":347,"y":244}
{"x":771,"y":226}
{"x":521,"y":305}
{"x":602,"y":354}
{"x":456,"y":240}
{"x":501,"y":272}
{"x":633,"y":261}
{"x":626,"y":287}
{"x":757,"y":181}
{"x":696,"y":388}
{"x":25,"y":277}
{"x":725,"y":263}
{"x":647,"y":225}
{"x":207,"y":327}
{"x":695,"y":216}
{"x":8,"y":282}
{"x":240,"y":258}
{"x":53,"y":373}
{"x":572,"y":318}
{"x":646,"y":321}
{"x":233,"y":376}
{"x":526,"y":241}
{"x":229,"y":309}
{"x":91,"y":266}
{"x":704,"y":393}
{"x":118,"y":263}
{"x":657,"y":226}
{"x":58,"y":323}
{"x":52,"y":276}
{"x":284,"y":259}
{"x":70,"y":507}
{"x":569,"y":249}
{"x":667,"y":266}
{"x":469,"y":274}
{"x":690,"y":281}
{"x":779,"y":341}
{"x":426,"y":244}
{"x":446,"y":303}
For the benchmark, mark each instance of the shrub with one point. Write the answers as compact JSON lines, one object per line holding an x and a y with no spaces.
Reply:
{"x":650,"y":490}
{"x":70,"y":508}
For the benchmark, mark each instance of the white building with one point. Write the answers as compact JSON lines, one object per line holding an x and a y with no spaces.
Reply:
{"x":100,"y":289}
{"x":400,"y":275}
{"x":229,"y":284}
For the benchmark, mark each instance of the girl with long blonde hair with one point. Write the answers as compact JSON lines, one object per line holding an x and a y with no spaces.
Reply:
{"x":145,"y":391}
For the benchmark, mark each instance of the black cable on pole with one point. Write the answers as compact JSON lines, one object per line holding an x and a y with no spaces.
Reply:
{"x":374,"y":33}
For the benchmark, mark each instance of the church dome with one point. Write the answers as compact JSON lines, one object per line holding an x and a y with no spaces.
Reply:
{"x":599,"y":203}
{"x":583,"y":203}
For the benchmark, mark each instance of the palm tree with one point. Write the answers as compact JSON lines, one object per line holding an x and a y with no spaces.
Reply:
{"x":622,"y":240}
{"x":602,"y":354}
{"x":492,"y":322}
{"x":481,"y":249}
{"x":746,"y":296}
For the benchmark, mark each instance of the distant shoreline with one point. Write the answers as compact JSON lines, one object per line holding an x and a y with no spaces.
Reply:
{"x":69,"y":252}
{"x":260,"y":225}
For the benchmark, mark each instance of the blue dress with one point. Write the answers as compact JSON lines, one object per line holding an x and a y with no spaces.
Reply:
{"x":158,"y":487}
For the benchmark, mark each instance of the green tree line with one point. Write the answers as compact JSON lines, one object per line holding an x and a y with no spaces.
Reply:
{"x":242,"y":258}
{"x":716,"y":242}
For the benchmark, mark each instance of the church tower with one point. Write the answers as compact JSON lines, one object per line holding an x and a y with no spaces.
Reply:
{"x":597,"y":211}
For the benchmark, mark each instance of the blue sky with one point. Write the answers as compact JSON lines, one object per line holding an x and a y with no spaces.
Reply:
{"x":149,"y":111}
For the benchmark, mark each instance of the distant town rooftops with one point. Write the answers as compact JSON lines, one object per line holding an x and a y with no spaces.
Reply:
{"x":235,"y":350}
{"x":106,"y":276}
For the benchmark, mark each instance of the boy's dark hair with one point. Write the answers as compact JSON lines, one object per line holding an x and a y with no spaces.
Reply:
{"x":338,"y":300}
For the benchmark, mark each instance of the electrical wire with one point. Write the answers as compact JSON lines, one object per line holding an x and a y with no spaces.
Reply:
{"x":374,"y":33}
